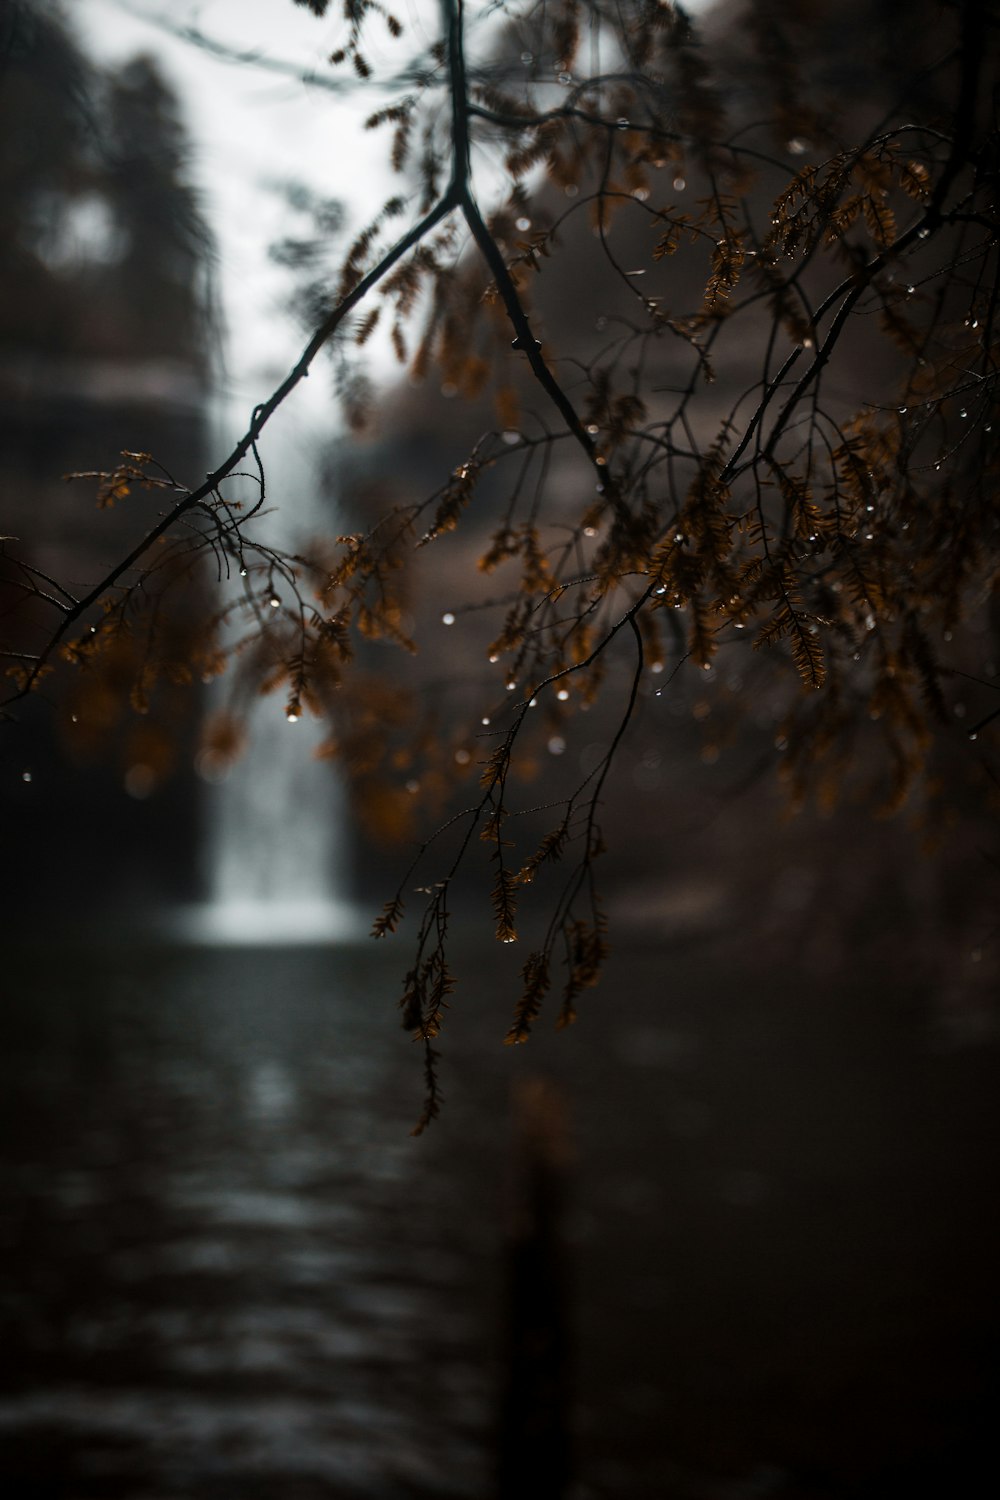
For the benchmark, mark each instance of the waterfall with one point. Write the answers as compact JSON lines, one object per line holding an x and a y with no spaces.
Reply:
{"x":274,"y":859}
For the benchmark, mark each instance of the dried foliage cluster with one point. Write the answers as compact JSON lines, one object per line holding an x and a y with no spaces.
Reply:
{"x":754,"y":411}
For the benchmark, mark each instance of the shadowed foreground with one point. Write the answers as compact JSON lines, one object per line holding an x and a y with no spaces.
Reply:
{"x":230,"y":1272}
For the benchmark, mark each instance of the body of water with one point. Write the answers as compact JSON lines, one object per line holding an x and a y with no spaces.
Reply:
{"x":229,"y":1271}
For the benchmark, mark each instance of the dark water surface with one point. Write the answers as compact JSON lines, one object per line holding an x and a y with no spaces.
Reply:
{"x":228,"y":1271}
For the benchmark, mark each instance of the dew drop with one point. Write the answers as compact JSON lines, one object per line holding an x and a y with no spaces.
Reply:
{"x":590,"y":531}
{"x":447,"y":618}
{"x":522,"y":224}
{"x":678,"y":536}
{"x":571,"y":190}
{"x":527,"y":58}
{"x":274,"y":602}
{"x":413,"y":787}
{"x":963,"y":413}
{"x":511,"y":685}
{"x":557,"y":745}
{"x":532,"y":702}
{"x":593,"y":428}
{"x":291,"y":716}
{"x":922,"y":233}
{"x":25,"y":775}
{"x":485,"y":719}
{"x":680,"y":184}
{"x":462,"y":757}
{"x":494,"y":658}
{"x":511,"y":437}
{"x":565,"y":79}
{"x":622,"y":123}
{"x":870,"y":622}
{"x":656,"y":666}
{"x":562,"y":694}
{"x":243,"y":572}
{"x":902,"y":411}
{"x":797,"y":146}
{"x":910,"y":290}
{"x":973,"y":735}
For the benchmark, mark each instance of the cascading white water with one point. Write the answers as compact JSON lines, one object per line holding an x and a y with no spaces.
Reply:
{"x":275,"y":870}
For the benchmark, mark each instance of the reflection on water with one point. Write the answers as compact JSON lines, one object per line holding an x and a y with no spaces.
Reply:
{"x":223,"y":1268}
{"x":229,"y":1271}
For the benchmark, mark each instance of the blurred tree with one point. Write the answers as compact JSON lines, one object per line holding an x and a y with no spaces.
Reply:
{"x":732,"y":291}
{"x":98,"y":219}
{"x":106,"y":335}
